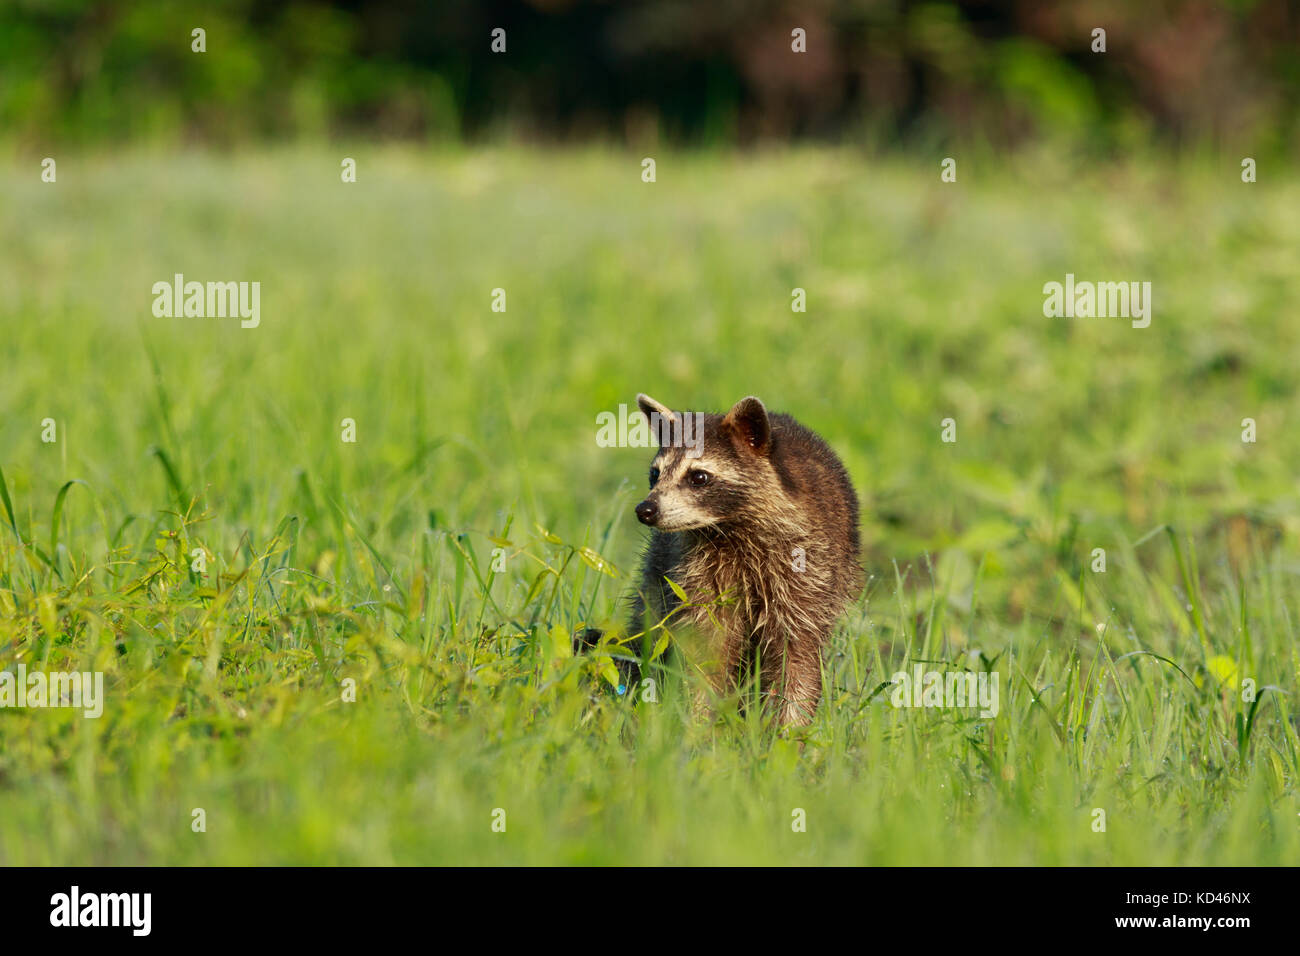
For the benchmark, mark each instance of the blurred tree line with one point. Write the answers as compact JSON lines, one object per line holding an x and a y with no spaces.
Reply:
{"x":684,"y":70}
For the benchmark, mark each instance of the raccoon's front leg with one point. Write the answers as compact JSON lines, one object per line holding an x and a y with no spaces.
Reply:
{"x":792,"y":677}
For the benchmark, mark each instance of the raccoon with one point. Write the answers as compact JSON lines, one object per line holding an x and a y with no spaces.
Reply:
{"x":756,"y":520}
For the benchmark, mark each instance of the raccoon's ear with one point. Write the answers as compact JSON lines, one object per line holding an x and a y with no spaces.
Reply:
{"x":666,"y":419}
{"x":747,"y":420}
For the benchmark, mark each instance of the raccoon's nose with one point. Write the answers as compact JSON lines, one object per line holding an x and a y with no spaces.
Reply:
{"x":647,"y":512}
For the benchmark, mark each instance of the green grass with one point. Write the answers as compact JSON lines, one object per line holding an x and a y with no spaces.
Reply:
{"x":476,"y":430}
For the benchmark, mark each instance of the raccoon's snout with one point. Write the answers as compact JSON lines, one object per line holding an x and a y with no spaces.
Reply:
{"x":647,"y":512}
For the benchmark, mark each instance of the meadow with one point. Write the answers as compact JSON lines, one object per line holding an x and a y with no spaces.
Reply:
{"x":199,"y":531}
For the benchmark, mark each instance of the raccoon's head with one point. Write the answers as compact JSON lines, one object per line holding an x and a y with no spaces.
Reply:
{"x":710,"y":469}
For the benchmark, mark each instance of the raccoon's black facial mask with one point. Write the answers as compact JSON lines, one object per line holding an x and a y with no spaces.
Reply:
{"x":690,"y":493}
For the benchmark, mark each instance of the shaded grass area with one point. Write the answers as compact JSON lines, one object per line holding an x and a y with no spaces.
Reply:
{"x":325,"y":562}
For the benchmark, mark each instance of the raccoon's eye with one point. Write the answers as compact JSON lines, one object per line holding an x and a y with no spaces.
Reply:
{"x":654,"y":477}
{"x":698,"y":478}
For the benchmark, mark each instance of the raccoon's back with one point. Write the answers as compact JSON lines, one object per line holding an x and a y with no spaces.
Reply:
{"x":813,"y":475}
